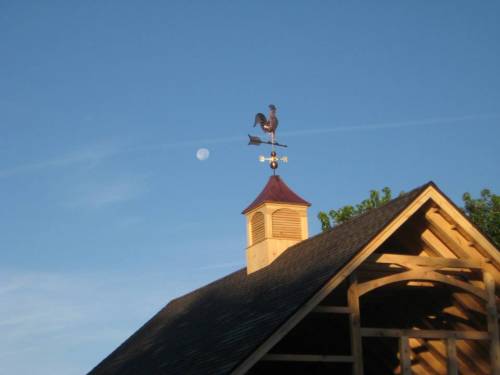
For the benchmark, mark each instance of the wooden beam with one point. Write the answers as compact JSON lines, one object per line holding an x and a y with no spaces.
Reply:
{"x":425,"y":358}
{"x":407,"y":260}
{"x":369,"y":270}
{"x":425,"y":333}
{"x":469,"y":352}
{"x":420,"y":275}
{"x":492,"y":316}
{"x":466,"y":234}
{"x":332,"y":309}
{"x":451,"y":356}
{"x":482,"y":244}
{"x":308,"y":358}
{"x":433,"y":355}
{"x":355,"y":321}
{"x":410,"y":237}
{"x":404,"y":355}
{"x":450,"y":236}
{"x":435,"y":244}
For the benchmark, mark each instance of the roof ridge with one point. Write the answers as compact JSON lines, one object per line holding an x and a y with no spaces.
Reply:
{"x":357,"y":217}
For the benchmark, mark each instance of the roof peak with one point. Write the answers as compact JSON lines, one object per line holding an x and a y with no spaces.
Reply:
{"x":276,"y":190}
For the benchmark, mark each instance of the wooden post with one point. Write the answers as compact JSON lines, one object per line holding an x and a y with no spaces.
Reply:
{"x":355,"y":320}
{"x":492,"y":315}
{"x":451,"y":352}
{"x":404,"y":355}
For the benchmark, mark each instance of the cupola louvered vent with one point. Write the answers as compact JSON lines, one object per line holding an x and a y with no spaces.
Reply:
{"x":286,"y":224}
{"x":258,"y":232}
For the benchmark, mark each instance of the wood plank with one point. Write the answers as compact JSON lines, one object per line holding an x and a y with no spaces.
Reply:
{"x":332,"y":309}
{"x":406,"y":260}
{"x":424,"y":333}
{"x":355,"y":322}
{"x":308,"y":358}
{"x":482,"y":244}
{"x":420,"y":274}
{"x":425,"y":358}
{"x":451,"y":238}
{"x":258,"y":229}
{"x":411,"y":238}
{"x":473,"y":240}
{"x":492,"y":316}
{"x":435,"y":244}
{"x":286,"y":224}
{"x":404,"y":355}
{"x":433,"y":355}
{"x":470,"y":356}
{"x":451,"y":356}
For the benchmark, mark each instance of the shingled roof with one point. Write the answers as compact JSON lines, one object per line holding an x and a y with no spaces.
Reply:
{"x":276,"y":191}
{"x":213,"y":329}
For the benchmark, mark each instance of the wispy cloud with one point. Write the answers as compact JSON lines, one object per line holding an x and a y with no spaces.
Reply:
{"x":326,"y":130}
{"x":104,"y":193}
{"x":332,"y":129}
{"x":392,"y":125}
{"x":89,"y":155}
{"x":12,"y":286}
{"x":95,"y":153}
{"x":54,"y":316}
{"x":29,"y":303}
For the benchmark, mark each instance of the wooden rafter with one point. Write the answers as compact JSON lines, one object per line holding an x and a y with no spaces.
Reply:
{"x":434,"y":355}
{"x":410,"y":260}
{"x":467,"y":348}
{"x":424,"y":333}
{"x":481,"y":243}
{"x":449,"y":235}
{"x":425,"y":359}
{"x":434,"y":243}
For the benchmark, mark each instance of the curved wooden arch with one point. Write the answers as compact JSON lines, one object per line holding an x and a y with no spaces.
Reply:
{"x":420,"y":275}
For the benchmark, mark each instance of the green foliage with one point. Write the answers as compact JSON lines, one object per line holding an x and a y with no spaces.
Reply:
{"x":343,"y":214}
{"x":485,"y":213}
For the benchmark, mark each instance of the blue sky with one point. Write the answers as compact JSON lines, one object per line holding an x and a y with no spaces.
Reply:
{"x":106,"y":213}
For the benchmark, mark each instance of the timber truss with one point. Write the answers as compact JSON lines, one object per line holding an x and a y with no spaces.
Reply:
{"x":430,"y":251}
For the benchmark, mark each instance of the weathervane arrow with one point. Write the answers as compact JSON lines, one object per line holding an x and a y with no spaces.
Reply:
{"x":256,"y":141}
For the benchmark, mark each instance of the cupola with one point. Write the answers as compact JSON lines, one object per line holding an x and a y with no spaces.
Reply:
{"x":276,"y":220}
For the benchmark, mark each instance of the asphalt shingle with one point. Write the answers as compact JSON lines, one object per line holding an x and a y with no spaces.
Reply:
{"x":213,"y":329}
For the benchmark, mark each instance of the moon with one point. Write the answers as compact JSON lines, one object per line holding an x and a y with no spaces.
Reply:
{"x":202,"y":154}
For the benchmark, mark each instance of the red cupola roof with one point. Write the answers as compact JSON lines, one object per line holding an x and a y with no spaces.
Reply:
{"x":276,"y":191}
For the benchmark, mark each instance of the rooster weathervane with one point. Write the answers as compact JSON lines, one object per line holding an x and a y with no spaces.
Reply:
{"x":268,"y":126}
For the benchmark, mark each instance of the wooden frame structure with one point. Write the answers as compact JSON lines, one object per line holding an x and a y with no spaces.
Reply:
{"x":446,"y":249}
